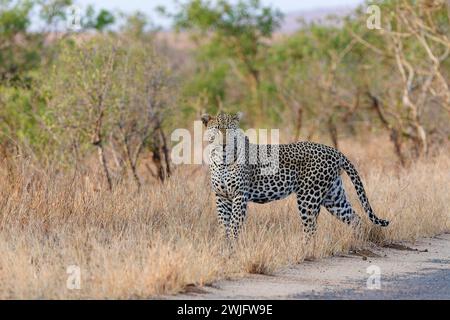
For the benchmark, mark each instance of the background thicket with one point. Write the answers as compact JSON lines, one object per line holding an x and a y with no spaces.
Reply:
{"x":119,"y":85}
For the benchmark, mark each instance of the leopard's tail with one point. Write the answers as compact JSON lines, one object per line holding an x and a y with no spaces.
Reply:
{"x":356,"y":180}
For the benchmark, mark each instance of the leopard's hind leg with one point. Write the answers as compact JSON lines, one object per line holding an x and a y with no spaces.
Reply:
{"x":337,"y":204}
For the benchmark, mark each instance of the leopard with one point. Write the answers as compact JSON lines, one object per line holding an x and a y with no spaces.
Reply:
{"x":242,"y":172}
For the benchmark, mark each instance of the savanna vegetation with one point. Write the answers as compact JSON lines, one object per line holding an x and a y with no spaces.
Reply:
{"x":87,"y":108}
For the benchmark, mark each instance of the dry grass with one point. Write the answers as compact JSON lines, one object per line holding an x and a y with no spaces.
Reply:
{"x":158,"y":241}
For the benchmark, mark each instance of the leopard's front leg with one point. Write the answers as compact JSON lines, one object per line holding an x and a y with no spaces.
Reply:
{"x":224,"y":210}
{"x":238,"y":215}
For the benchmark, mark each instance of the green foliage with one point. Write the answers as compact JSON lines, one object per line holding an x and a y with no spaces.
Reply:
{"x":135,"y":25}
{"x":234,"y":48}
{"x":107,"y":89}
{"x":53,"y":11}
{"x":16,"y":59}
{"x":79,"y":85}
{"x":24,"y":58}
{"x":242,"y":19}
{"x":98,"y":21}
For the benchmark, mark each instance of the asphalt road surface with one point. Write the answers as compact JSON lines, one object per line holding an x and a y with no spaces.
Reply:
{"x":434,"y":285}
{"x":418,"y":270}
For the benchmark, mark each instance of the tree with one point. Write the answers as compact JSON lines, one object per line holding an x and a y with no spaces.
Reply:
{"x":97,"y":21}
{"x":414,"y":43}
{"x":81,"y":96}
{"x":312,"y":72}
{"x":16,"y":58}
{"x":143,"y":102}
{"x":24,"y":53}
{"x":235,"y":33}
{"x":113,"y":93}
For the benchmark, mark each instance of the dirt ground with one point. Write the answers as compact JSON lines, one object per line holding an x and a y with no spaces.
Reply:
{"x":419,"y":270}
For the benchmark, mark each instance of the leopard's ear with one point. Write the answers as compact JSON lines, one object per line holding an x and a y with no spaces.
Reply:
{"x":238,"y":116}
{"x":205,"y":119}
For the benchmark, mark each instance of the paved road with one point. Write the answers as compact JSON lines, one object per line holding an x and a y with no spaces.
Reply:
{"x":434,"y":285}
{"x":418,"y":270}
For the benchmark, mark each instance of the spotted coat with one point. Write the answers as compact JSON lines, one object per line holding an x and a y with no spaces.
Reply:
{"x":310,"y":170}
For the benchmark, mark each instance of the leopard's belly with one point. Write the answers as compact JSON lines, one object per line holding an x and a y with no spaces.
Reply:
{"x":267,"y":188}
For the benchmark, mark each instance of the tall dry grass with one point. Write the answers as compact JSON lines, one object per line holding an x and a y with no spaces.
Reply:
{"x":158,"y":241}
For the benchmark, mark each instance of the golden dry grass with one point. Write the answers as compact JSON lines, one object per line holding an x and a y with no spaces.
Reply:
{"x":158,"y":241}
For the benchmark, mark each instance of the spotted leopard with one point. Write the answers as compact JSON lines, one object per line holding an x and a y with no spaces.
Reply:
{"x":310,"y":170}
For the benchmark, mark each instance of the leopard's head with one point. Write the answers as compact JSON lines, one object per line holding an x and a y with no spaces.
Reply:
{"x":222,"y":127}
